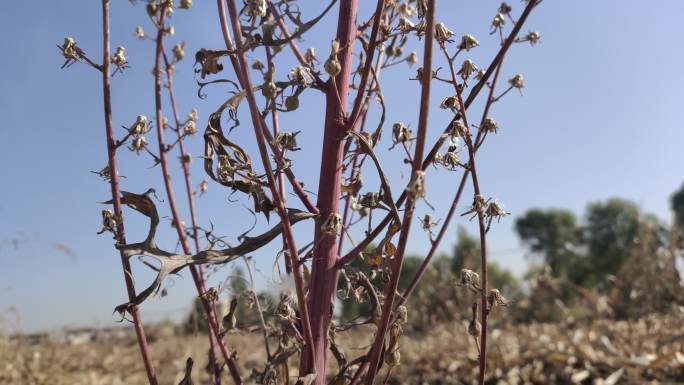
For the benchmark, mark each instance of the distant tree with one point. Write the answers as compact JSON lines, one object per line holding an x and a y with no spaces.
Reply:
{"x":554,"y":234}
{"x":610,"y":232}
{"x":677,"y":206}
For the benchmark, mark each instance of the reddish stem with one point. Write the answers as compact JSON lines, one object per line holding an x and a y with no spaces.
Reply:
{"x":390,"y":292}
{"x":323,"y":270}
{"x":260,"y":132}
{"x":199,"y":282}
{"x":213,"y":339}
{"x":116,"y":198}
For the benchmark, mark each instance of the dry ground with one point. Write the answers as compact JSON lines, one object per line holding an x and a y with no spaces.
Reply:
{"x":648,"y":350}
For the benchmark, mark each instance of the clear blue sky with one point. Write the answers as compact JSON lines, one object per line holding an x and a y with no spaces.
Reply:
{"x":600,"y":117}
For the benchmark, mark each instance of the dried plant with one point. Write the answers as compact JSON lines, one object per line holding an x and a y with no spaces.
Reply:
{"x":348,"y":74}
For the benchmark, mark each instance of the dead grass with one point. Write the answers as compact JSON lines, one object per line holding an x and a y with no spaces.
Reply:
{"x":648,"y":350}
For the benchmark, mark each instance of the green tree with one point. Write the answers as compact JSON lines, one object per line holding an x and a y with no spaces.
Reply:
{"x":609,"y":234}
{"x":554,"y":234}
{"x":677,"y":205}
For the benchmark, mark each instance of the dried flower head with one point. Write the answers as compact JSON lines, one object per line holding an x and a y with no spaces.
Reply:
{"x":185,"y":158}
{"x":138,"y":144}
{"x":499,"y":21}
{"x":450,"y":103}
{"x":109,"y":221}
{"x":287,"y":140}
{"x":405,"y":25}
{"x":406,"y":9}
{"x":209,"y":60}
{"x":310,"y":56}
{"x":517,"y":82}
{"x":533,"y":37}
{"x":141,"y":126}
{"x":203,"y":186}
{"x":402,"y":314}
{"x":505,"y":9}
{"x":427,"y":223}
{"x":301,"y":76}
{"x":489,"y":125}
{"x":185,"y":4}
{"x":179,"y":51}
{"x":458,"y":130}
{"x":442,"y":33}
{"x":257,"y":65}
{"x":470,"y":279}
{"x":393,"y":358}
{"x":494,"y":298}
{"x":450,"y":160}
{"x":467,"y":69}
{"x":119,"y":59}
{"x":468,"y":42}
{"x":401,"y":133}
{"x":412,"y":58}
{"x":495,"y":211}
{"x":139,"y":32}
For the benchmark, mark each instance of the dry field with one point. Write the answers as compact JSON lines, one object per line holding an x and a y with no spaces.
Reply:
{"x":648,"y":350}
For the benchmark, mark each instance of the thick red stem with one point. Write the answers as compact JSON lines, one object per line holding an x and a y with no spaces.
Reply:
{"x":324,"y":271}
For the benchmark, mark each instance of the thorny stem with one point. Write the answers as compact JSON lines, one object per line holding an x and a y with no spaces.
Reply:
{"x":199,"y":282}
{"x":260,"y":131}
{"x":323,"y":271}
{"x":196,"y":272}
{"x":390,"y":292}
{"x":116,"y":197}
{"x":349,"y":256}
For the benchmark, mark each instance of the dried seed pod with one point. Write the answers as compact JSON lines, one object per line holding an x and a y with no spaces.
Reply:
{"x":179,"y":51}
{"x":229,"y":321}
{"x":109,"y":221}
{"x":203,"y":186}
{"x":256,"y":8}
{"x":495,"y":210}
{"x":469,"y":279}
{"x":310,"y":56}
{"x":494,"y":298}
{"x":370,"y":200}
{"x":185,"y":4}
{"x":467,"y":69}
{"x":533,"y":37}
{"x":301,"y":76}
{"x":139,"y":143}
{"x":516,"y":81}
{"x":412,"y":58}
{"x":269,"y":89}
{"x":140,"y":127}
{"x":475,"y":328}
{"x":402,"y":314}
{"x":332,"y":66}
{"x":119,"y":58}
{"x":405,"y":25}
{"x":489,"y":125}
{"x":499,"y":21}
{"x":139,"y":32}
{"x":451,"y":103}
{"x":291,"y":103}
{"x":185,"y":158}
{"x":287,"y":140}
{"x":401,"y":133}
{"x":480,"y":74}
{"x":505,"y":9}
{"x":458,"y":130}
{"x":442,"y":33}
{"x":393,"y":358}
{"x":468,"y":42}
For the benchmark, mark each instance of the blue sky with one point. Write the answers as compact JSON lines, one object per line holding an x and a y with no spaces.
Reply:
{"x":600,"y":117}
